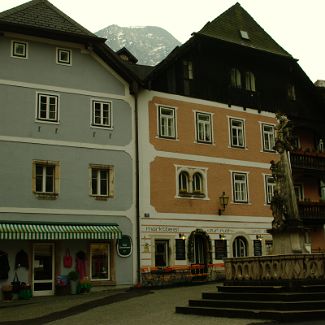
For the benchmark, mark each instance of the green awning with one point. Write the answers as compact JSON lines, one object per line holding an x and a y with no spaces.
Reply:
{"x":32,"y":231}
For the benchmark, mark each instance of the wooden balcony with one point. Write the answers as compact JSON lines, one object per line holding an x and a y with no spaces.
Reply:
{"x":308,"y":161}
{"x":312,"y":212}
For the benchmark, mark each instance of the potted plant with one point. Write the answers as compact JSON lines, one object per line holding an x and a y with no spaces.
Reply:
{"x":7,"y":292}
{"x":73,"y":277}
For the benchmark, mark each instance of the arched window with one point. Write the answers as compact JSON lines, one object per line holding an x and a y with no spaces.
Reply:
{"x":183,"y":182}
{"x":239,"y":247}
{"x":235,"y":78}
{"x":250,"y":81}
{"x":197,"y":183}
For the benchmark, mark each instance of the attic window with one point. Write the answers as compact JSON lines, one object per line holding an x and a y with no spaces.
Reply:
{"x":244,"y":35}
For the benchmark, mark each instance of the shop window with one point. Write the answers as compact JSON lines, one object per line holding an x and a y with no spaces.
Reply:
{"x":161,"y":252}
{"x":220,"y":249}
{"x":239,"y":247}
{"x":180,"y":249}
{"x":99,"y":261}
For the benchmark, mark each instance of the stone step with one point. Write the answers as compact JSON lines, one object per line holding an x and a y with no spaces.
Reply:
{"x":260,"y":296}
{"x":270,"y":289}
{"x":254,"y":313}
{"x":260,"y":305}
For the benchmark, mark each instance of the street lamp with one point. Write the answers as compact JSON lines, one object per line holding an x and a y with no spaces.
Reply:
{"x":223,"y":200}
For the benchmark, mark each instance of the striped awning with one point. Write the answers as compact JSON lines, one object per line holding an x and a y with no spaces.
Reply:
{"x":32,"y":231}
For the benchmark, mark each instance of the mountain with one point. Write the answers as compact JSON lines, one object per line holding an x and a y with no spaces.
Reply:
{"x":149,"y":44}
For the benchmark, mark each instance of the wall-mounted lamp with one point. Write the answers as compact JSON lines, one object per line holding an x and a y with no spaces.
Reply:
{"x":223,"y":200}
{"x":222,"y":236}
{"x":258,"y":237}
{"x":182,"y":236}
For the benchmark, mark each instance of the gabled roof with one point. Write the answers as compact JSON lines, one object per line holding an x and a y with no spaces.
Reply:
{"x":124,"y":52}
{"x":229,"y":25}
{"x":41,"y":16}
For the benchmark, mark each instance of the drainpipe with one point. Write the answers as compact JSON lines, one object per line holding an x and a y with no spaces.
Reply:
{"x":137,"y":180}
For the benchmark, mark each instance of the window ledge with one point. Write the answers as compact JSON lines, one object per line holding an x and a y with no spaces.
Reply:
{"x":47,"y":196}
{"x":191,"y":195}
{"x":100,"y":198}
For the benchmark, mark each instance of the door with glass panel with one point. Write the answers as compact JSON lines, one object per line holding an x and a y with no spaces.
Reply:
{"x":43,"y":269}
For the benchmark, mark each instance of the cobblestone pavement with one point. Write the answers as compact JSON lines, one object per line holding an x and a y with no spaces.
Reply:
{"x":117,"y":307}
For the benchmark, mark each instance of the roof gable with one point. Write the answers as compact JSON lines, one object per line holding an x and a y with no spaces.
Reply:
{"x":42,"y":15}
{"x":228,"y":27}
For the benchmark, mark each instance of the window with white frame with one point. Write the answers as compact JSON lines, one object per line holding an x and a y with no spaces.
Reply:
{"x":191,"y":182}
{"x":102,"y":114}
{"x":45,"y":175}
{"x":239,"y":247}
{"x":184,"y":182}
{"x":19,"y":49}
{"x":99,"y":261}
{"x":102,"y":181}
{"x":47,"y":108}
{"x":240,"y":189}
{"x":203,"y":127}
{"x":197,"y":183}
{"x":250,"y":81}
{"x":235,"y":78}
{"x":268,"y":137}
{"x":269,"y":188}
{"x":167,"y":122}
{"x":63,"y":56}
{"x":237,"y":133}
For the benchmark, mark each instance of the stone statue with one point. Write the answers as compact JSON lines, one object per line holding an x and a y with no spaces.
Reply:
{"x":287,"y":228}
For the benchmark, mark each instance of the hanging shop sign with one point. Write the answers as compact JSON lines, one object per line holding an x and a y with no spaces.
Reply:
{"x":124,"y":246}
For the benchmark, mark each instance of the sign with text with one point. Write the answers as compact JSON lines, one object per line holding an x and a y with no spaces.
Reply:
{"x":124,"y":246}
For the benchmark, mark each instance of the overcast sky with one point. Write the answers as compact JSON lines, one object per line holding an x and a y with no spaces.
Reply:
{"x":297,"y":25}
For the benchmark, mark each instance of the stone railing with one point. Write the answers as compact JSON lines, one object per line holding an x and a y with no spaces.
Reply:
{"x":276,"y":267}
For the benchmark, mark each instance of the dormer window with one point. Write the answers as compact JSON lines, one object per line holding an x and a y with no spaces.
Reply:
{"x":244,"y":35}
{"x":250,"y":81}
{"x":235,"y":78}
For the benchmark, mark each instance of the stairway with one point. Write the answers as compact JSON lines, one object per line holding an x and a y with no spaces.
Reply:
{"x":280,"y":303}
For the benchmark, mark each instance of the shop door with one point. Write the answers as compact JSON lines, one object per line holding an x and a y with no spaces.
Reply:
{"x":43,"y":269}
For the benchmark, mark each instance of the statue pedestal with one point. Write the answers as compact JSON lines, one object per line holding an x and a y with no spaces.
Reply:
{"x":290,"y":240}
